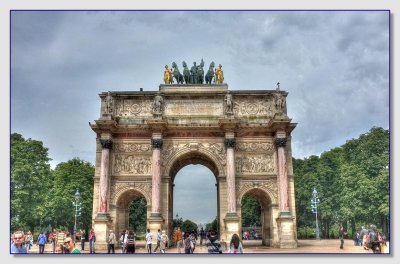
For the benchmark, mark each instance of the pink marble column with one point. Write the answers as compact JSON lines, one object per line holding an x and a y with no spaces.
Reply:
{"x":156,"y":177}
{"x":104,"y":168}
{"x":283,"y":178}
{"x":230,"y":174}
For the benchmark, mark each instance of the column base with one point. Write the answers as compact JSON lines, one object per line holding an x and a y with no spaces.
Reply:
{"x":155,"y":222}
{"x":287,"y":234}
{"x":102,"y":226}
{"x":232,"y":226}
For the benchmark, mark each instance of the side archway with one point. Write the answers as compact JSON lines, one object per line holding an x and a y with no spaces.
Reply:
{"x":267,"y":200}
{"x":121,"y":202}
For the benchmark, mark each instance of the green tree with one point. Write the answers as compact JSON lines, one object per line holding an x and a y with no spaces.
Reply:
{"x":138,"y":215}
{"x":31,"y":179}
{"x":177,"y":222}
{"x":188,"y":226}
{"x":251,"y":211}
{"x":352,"y":182}
{"x":70,"y":176}
{"x":213,"y":225}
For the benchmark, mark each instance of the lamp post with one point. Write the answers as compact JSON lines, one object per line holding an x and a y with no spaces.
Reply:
{"x":314,"y":208}
{"x":77,"y":204}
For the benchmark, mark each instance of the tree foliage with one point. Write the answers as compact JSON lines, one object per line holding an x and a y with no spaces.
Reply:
{"x":42,"y":198}
{"x":138,"y":215}
{"x":352,"y":182}
{"x":188,"y":226}
{"x":251,"y":211}
{"x":30,"y":181}
{"x":69,"y":177}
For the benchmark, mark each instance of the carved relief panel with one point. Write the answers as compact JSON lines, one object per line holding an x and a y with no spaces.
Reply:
{"x":255,"y":157}
{"x":133,"y":108}
{"x":131,"y":158}
{"x":253,"y":107}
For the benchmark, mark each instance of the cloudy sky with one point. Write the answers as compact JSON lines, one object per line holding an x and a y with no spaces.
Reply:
{"x":333,"y":64}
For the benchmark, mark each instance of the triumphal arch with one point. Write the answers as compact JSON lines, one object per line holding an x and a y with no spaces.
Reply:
{"x":243,"y":136}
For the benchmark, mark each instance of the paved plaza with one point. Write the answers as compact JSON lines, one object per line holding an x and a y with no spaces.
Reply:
{"x":323,"y":246}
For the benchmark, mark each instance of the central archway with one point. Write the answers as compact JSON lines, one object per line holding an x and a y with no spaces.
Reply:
{"x":195,"y":196}
{"x":185,"y":157}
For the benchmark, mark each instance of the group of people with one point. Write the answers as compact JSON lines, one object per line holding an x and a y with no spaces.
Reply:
{"x":368,"y":238}
{"x":60,"y":240}
{"x":187,"y":241}
{"x":250,"y":235}
{"x":126,"y":240}
{"x":63,"y":243}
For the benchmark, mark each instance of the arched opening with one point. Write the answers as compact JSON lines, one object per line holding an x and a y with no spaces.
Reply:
{"x":195,"y":191}
{"x":256,"y":217}
{"x":195,"y":195}
{"x":131,"y":212}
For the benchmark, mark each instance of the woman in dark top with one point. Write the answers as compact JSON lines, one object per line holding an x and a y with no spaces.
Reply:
{"x":130,"y":243}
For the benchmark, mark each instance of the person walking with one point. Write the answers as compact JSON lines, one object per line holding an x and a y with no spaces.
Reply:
{"x":130,"y":242}
{"x":364,"y":237}
{"x":28,"y":241}
{"x":149,"y":238}
{"x":178,"y":239}
{"x":193,"y":239}
{"x":52,"y":239}
{"x":41,"y":241}
{"x":163,"y":242}
{"x":158,"y":240}
{"x":111,"y":242}
{"x":83,"y":238}
{"x":235,"y":246}
{"x":187,"y":244}
{"x":92,"y":240}
{"x":374,"y":243}
{"x":123,"y":239}
{"x":18,"y":244}
{"x":60,"y":239}
{"x":342,"y":234}
{"x":202,"y":236}
{"x":213,"y":244}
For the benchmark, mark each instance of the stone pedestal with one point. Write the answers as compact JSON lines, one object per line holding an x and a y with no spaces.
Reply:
{"x":155,"y":222}
{"x":286,"y":231}
{"x":102,"y":224}
{"x":232,"y":224}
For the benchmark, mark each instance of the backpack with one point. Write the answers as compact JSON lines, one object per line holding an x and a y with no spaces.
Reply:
{"x":373,"y":237}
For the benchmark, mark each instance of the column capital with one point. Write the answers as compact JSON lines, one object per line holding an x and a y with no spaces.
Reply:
{"x":230,"y":142}
{"x":106,"y":143}
{"x":280,"y":142}
{"x":157,"y":143}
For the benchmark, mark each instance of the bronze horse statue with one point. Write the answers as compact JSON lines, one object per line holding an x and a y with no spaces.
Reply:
{"x":200,"y":72}
{"x":210,"y":73}
{"x":176,"y":74}
{"x":186,"y":72}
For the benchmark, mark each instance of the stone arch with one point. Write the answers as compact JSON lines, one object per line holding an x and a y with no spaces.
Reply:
{"x":122,"y":189}
{"x":267,"y":198}
{"x":188,"y":155}
{"x":269,"y":187}
{"x":124,"y":194}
